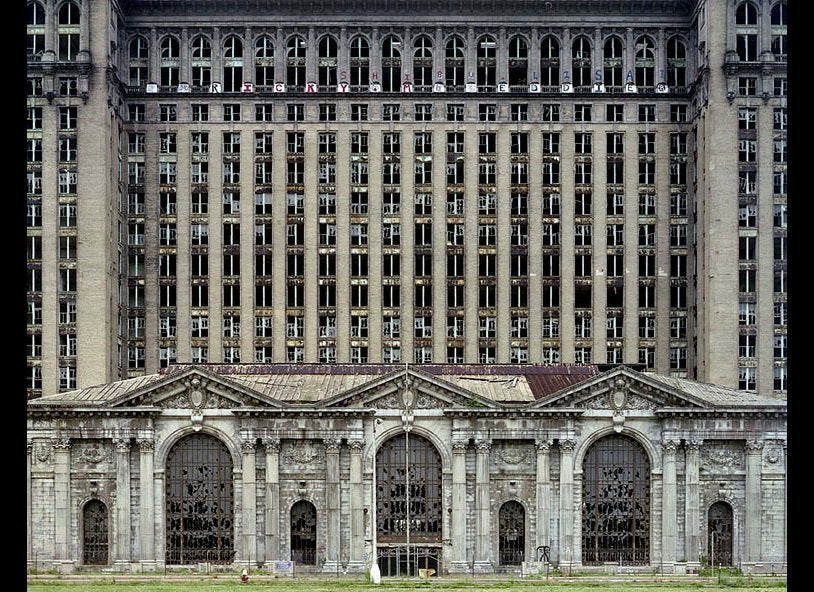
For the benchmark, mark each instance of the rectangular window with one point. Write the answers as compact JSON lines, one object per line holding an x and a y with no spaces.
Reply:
{"x":550,"y":112}
{"x":582,"y":112}
{"x":358,"y":112}
{"x":231,"y":112}
{"x":423,"y":112}
{"x":615,"y":113}
{"x":487,"y":112}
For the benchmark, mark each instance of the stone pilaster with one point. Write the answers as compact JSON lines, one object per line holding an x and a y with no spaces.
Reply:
{"x":123,"y":510}
{"x":543,"y":493}
{"x":248,"y":545}
{"x":146,"y":525}
{"x":566,"y":542}
{"x":483,"y":535}
{"x":692,"y":497}
{"x":29,"y":552}
{"x":458,"y":563}
{"x":357,"y":510}
{"x":668,"y":504}
{"x":272,"y":518}
{"x":754,"y":499}
{"x":62,"y":498}
{"x":332,"y":505}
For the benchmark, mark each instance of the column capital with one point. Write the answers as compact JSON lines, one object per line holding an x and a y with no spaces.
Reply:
{"x":543,"y":445}
{"x":694,"y":445}
{"x":483,"y":446}
{"x":568,"y":445}
{"x":460,"y":446}
{"x":247,"y":445}
{"x":331,"y":445}
{"x":271,"y":444}
{"x":670,"y":445}
{"x":61,"y":443}
{"x":754,"y":445}
{"x":145,"y":444}
{"x":356,"y":446}
{"x":122,"y":444}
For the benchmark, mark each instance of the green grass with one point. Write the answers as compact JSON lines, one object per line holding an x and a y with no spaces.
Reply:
{"x":231,"y":583}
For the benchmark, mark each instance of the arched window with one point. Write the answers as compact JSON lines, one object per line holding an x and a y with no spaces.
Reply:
{"x":613,"y":63}
{"x":719,"y":534}
{"x":676,"y":63}
{"x":201,"y":62}
{"x":422,"y":63}
{"x":296,"y":50}
{"x":391,"y":64}
{"x":518,"y":61}
{"x":199,"y":502}
{"x":232,"y":64}
{"x":95,"y":533}
{"x":68,"y":30}
{"x":616,"y":503}
{"x":170,"y":59}
{"x":550,"y":62}
{"x":304,"y":533}
{"x":359,"y":63}
{"x":328,"y":60}
{"x":35,"y":30}
{"x":487,"y":63}
{"x":138,"y":61}
{"x":779,"y":22}
{"x":511,"y":533}
{"x":454,"y":64}
{"x":645,"y":62}
{"x":746,"y":32}
{"x":408,"y":505}
{"x":581,"y":62}
{"x":264,"y":61}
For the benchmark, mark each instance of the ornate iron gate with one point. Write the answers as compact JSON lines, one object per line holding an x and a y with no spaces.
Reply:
{"x":512,"y":533}
{"x":304,"y":533}
{"x":95,"y":533}
{"x":719,"y":537}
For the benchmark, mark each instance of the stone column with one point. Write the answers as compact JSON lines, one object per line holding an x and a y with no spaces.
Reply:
{"x":272,"y":521}
{"x":458,"y":562}
{"x":248,"y":55}
{"x":249,"y":539}
{"x":483,"y":535}
{"x":332,"y":505}
{"x":146,"y":502}
{"x":566,"y":542}
{"x":29,"y":448}
{"x":123,"y":510}
{"x":692,"y":522}
{"x":754,"y":499}
{"x":669,"y":517}
{"x":543,"y":493}
{"x":357,"y":510}
{"x":62,"y":498}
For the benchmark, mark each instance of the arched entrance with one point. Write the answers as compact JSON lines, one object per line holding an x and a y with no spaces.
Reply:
{"x":304,"y":533}
{"x":408,"y":506}
{"x":616,"y":502}
{"x":719,"y":534}
{"x":512,"y":533}
{"x":200,"y":502}
{"x":95,"y":533}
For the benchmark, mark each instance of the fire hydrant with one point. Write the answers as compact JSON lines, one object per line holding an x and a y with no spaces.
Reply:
{"x":244,"y":576}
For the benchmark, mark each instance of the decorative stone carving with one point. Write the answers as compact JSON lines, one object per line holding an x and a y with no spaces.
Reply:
{"x":543,"y":445}
{"x":42,"y":453}
{"x":754,"y":445}
{"x":61,"y":443}
{"x":331,"y":445}
{"x":460,"y":446}
{"x":302,"y":453}
{"x":247,"y":446}
{"x":567,"y":445}
{"x":145,"y":444}
{"x":122,"y":444}
{"x":513,"y":453}
{"x":670,"y":445}
{"x":483,"y":446}
{"x":272,"y":444}
{"x":391,"y":401}
{"x":92,"y":453}
{"x":722,"y":458}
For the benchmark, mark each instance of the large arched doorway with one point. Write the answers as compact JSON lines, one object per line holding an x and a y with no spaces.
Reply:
{"x":304,"y":533}
{"x":200,"y":502}
{"x":95,"y":533}
{"x":719,"y":534}
{"x":511,"y":533}
{"x":408,"y":506}
{"x":616,"y":503}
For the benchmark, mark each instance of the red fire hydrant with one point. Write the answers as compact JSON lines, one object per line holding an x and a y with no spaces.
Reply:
{"x":244,"y":577}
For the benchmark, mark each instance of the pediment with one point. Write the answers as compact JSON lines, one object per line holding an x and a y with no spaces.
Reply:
{"x":409,"y":389}
{"x":620,"y":390}
{"x":195,"y":388}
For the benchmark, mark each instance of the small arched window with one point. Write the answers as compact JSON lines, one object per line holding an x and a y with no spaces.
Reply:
{"x":518,"y":61}
{"x":779,"y":31}
{"x":35,"y":30}
{"x":581,"y":62}
{"x":304,"y":533}
{"x":645,"y":62}
{"x":454,"y":63}
{"x":359,"y":62}
{"x":391,"y":64}
{"x":232,"y":64}
{"x":264,"y":61}
{"x":296,"y":50}
{"x":613,"y":63}
{"x":170,"y":57}
{"x":550,"y":62}
{"x":676,"y":63}
{"x":328,"y":59}
{"x":201,"y":62}
{"x":746,"y":29}
{"x":95,"y":533}
{"x":487,"y":63}
{"x":138,"y":62}
{"x":422,"y":62}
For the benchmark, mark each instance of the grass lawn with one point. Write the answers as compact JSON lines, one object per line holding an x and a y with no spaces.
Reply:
{"x":231,"y":583}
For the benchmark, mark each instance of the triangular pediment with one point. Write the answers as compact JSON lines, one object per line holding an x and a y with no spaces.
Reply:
{"x":621,"y":389}
{"x":194,"y":388}
{"x":409,"y":388}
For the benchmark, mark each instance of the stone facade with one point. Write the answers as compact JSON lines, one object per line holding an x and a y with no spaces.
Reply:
{"x":100,"y":468}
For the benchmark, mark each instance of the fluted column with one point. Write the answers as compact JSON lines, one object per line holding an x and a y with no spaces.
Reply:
{"x":249,"y":539}
{"x":62,"y":498}
{"x":146,"y":500}
{"x":123,"y":510}
{"x":754,"y":499}
{"x":566,"y":543}
{"x":458,"y":523}
{"x":332,"y":504}
{"x":272,"y":521}
{"x":483,"y":538}
{"x":543,"y":493}
{"x":357,"y":509}
{"x":669,"y":518}
{"x":692,"y":522}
